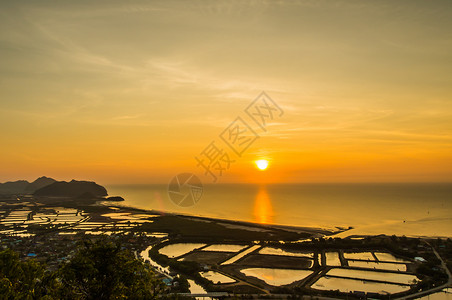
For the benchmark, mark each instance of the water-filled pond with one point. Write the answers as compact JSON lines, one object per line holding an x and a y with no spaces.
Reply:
{"x":175,"y":250}
{"x":216,"y":277}
{"x":332,"y":259}
{"x":118,"y":216}
{"x":377,"y":265}
{"x":372,"y":275}
{"x":350,"y":285}
{"x":276,"y":277}
{"x":359,"y":255}
{"x":157,"y":234}
{"x":128,"y":216}
{"x":240,"y":255}
{"x":383,"y":256}
{"x":278,"y":251}
{"x":196,"y":289}
{"x":225,"y":248}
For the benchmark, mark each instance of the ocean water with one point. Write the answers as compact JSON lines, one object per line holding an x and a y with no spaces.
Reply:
{"x":402,"y":209}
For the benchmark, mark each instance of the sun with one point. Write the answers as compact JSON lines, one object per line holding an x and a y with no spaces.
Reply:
{"x":262,"y":164}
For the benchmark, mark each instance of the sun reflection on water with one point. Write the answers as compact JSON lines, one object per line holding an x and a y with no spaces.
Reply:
{"x":263,"y":209}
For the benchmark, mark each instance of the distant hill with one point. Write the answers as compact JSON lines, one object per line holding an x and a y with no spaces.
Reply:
{"x":73,"y":189}
{"x":24,"y":187}
{"x":13,"y":187}
{"x":38,"y":184}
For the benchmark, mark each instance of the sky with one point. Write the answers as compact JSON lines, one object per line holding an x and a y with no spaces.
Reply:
{"x":133,"y":91}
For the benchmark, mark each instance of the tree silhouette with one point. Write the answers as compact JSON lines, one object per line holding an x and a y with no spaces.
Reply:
{"x":103,"y":270}
{"x":98,"y":270}
{"x":25,"y":279}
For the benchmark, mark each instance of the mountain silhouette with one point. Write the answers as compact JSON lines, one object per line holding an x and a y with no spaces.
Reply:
{"x":13,"y":187}
{"x":38,"y":184}
{"x":73,"y":189}
{"x":21,"y":187}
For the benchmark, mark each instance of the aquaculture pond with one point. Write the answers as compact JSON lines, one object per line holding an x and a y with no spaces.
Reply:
{"x":332,"y":259}
{"x":377,"y":265}
{"x":350,"y":285}
{"x":225,"y":248}
{"x":216,"y":277}
{"x":373,"y":275}
{"x":276,"y":277}
{"x":175,"y":250}
{"x":278,"y":251}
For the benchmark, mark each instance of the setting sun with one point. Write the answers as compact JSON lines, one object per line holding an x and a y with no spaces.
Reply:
{"x":284,"y":147}
{"x":262,"y":164}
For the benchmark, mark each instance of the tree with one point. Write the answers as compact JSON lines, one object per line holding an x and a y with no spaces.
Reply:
{"x":25,"y":279}
{"x":102,"y":270}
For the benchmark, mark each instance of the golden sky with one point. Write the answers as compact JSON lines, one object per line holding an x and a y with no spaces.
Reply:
{"x":124,"y":92}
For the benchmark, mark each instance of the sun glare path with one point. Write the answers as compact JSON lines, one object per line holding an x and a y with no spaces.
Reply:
{"x":263,"y":209}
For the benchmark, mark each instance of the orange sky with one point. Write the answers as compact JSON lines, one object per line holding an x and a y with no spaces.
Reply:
{"x":132,"y":92}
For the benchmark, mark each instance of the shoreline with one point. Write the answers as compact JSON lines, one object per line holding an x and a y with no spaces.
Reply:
{"x":264,"y":226}
{"x":332,"y":231}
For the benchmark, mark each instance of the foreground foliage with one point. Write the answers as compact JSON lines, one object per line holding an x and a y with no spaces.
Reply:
{"x":24,"y":279}
{"x":98,"y":270}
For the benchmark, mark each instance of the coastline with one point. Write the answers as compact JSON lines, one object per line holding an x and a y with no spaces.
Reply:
{"x":150,"y":230}
{"x":318,"y":232}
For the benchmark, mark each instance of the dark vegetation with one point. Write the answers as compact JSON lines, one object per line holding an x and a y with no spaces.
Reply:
{"x":99,"y":270}
{"x":115,"y":198}
{"x":189,"y":229}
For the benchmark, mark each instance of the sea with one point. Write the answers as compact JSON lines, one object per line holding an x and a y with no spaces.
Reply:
{"x":410,"y":209}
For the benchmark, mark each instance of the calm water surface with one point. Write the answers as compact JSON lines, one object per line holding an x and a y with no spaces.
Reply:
{"x":276,"y":277}
{"x":349,"y":285}
{"x":175,"y":250}
{"x":403,"y":209}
